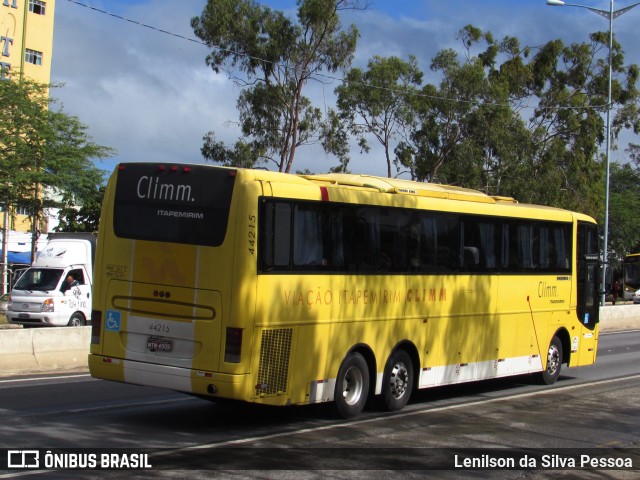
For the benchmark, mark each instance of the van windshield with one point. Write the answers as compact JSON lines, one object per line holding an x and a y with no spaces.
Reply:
{"x":39,"y":279}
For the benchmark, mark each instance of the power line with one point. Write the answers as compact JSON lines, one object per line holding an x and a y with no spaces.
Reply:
{"x":135,"y":22}
{"x":318,"y":74}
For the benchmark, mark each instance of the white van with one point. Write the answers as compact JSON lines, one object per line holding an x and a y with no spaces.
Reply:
{"x":56,"y":289}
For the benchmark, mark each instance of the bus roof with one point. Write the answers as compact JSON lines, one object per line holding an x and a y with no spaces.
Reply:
{"x":405,"y":187}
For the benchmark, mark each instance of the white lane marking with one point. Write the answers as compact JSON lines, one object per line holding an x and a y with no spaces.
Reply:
{"x":350,"y":424}
{"x":60,"y":377}
{"x":385,"y":417}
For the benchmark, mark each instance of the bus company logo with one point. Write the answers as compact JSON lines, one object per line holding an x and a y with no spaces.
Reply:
{"x":547,"y":291}
{"x":151,"y":188}
{"x":23,"y":459}
{"x":178,"y":214}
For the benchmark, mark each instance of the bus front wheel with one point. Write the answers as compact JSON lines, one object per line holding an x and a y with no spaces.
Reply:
{"x":352,"y":386}
{"x":397,"y":381}
{"x":554,"y":363}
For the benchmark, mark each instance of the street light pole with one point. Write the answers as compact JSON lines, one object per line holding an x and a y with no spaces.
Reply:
{"x":610,"y":15}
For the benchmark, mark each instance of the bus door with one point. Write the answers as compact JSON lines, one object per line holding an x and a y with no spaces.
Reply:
{"x":588,"y":308}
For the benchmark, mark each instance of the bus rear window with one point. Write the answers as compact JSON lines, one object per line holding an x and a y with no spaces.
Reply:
{"x":179,"y":205}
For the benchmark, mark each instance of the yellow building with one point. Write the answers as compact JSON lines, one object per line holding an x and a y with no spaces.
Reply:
{"x":26,"y":49}
{"x":26,"y":38}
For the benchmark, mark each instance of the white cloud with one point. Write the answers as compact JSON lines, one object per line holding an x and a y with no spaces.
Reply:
{"x":151,"y":96}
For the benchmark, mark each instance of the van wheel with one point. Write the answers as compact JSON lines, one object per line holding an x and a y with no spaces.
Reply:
{"x":352,"y":386}
{"x":554,"y":363}
{"x":76,"y":320}
{"x":397,"y":381}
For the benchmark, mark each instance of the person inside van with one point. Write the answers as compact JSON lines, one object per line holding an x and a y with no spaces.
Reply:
{"x":68,"y":283}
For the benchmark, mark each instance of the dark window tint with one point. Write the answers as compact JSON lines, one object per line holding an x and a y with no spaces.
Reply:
{"x":536,"y":246}
{"x":588,"y":274}
{"x":183,"y":205}
{"x":435,"y":242}
{"x":319,"y":236}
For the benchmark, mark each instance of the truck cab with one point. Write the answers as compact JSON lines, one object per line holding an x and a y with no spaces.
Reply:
{"x":56,"y":289}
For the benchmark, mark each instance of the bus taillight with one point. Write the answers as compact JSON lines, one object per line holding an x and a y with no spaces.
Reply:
{"x":233,"y":345}
{"x":96,"y":324}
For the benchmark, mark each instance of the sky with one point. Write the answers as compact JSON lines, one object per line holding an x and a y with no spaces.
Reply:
{"x":150,"y":95}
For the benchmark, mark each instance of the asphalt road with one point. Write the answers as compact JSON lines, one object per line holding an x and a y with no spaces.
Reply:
{"x":591,"y":411}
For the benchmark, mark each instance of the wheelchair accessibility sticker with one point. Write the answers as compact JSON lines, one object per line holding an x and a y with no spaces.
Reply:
{"x":113,"y":321}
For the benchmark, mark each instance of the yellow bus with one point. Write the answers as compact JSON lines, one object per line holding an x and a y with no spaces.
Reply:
{"x":630,"y":275}
{"x":287,"y":290}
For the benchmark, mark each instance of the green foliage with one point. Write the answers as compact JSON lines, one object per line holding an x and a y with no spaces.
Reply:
{"x":384,"y":111}
{"x":521,"y":122}
{"x":335,"y":140}
{"x":243,"y":155}
{"x":273,"y":58}
{"x":85,"y":218}
{"x":624,"y":205}
{"x":507,"y":119}
{"x":42,"y":149}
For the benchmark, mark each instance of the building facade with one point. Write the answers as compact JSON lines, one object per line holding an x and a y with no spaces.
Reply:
{"x":26,"y":38}
{"x":26,"y":50}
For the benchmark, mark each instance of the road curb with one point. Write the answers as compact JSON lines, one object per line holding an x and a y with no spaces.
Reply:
{"x":24,"y":350}
{"x":45,"y":350}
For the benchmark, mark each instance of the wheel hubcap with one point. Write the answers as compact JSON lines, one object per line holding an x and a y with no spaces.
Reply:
{"x":398,"y":380}
{"x":553,"y":360}
{"x":352,"y":386}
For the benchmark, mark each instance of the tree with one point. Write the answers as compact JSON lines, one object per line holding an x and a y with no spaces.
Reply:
{"x":85,"y":218}
{"x":273,"y":58}
{"x":624,"y":205}
{"x":522,"y":122}
{"x":43,"y":149}
{"x":376,"y":102}
{"x":441,"y":113}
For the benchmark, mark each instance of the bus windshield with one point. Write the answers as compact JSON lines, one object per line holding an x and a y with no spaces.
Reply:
{"x":156,"y":202}
{"x":632,"y":272}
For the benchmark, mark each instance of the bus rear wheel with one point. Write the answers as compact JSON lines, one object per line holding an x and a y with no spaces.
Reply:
{"x":554,"y":363}
{"x":397,"y":381}
{"x":352,"y":386}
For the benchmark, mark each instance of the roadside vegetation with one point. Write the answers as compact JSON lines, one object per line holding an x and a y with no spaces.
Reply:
{"x":505,"y":118}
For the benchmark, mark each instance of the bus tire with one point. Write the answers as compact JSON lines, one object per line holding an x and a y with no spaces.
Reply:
{"x":76,"y":320}
{"x":397,"y":380}
{"x":352,"y":386}
{"x":554,"y":363}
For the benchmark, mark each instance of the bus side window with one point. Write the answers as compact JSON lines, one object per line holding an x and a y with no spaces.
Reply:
{"x":448,"y":242}
{"x":394,"y":225}
{"x":360,"y":239}
{"x":277,"y":236}
{"x":308,"y":236}
{"x":479,"y":244}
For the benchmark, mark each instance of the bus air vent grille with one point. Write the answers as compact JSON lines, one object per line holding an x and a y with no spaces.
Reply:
{"x":274,"y":361}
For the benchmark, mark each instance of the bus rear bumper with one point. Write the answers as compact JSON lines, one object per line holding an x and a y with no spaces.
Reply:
{"x":210,"y":384}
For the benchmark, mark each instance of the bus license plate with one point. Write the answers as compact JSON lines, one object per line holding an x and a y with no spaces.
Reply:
{"x":159,"y":345}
